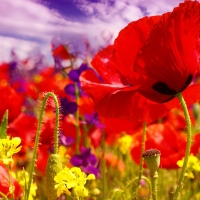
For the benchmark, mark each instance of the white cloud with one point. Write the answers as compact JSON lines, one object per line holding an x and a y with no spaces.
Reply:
{"x":26,"y":25}
{"x":23,"y":48}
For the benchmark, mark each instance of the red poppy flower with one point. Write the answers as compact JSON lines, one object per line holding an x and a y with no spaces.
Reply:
{"x":4,"y":73}
{"x":176,"y":119}
{"x":4,"y":185}
{"x":50,"y":81}
{"x":167,"y":60}
{"x":11,"y":100}
{"x":135,"y":60}
{"x":24,"y":126}
{"x":167,"y":140}
{"x":62,"y":52}
{"x":113,"y":129}
{"x":113,"y":95}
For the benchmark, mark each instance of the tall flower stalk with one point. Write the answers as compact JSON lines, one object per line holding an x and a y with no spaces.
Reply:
{"x":56,"y":134}
{"x":188,"y":147}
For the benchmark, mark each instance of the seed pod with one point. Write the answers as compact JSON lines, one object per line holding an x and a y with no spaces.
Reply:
{"x":152,"y":159}
{"x":54,"y":166}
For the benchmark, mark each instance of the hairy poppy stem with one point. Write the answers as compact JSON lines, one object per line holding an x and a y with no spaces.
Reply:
{"x":56,"y":134}
{"x":142,"y":151}
{"x":77,"y":120}
{"x":187,"y":151}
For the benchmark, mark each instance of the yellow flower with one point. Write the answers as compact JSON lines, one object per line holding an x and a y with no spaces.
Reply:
{"x":125,"y":143}
{"x":63,"y":154}
{"x":193,"y":165}
{"x":65,"y":180}
{"x":73,"y":179}
{"x":8,"y":147}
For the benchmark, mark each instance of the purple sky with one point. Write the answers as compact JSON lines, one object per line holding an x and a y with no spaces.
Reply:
{"x":28,"y":26}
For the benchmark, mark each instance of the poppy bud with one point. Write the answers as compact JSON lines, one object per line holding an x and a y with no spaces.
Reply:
{"x":152,"y":160}
{"x":54,"y":165}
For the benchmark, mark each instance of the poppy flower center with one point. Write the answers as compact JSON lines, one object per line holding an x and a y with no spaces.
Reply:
{"x":163,"y":88}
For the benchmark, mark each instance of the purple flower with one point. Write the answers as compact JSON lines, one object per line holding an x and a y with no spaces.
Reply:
{"x":66,"y":141}
{"x":86,"y":161}
{"x":67,"y":107}
{"x":70,"y":90}
{"x":75,"y":73}
{"x":92,"y":119}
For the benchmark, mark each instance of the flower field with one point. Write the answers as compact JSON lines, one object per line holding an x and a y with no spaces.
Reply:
{"x":123,"y":125}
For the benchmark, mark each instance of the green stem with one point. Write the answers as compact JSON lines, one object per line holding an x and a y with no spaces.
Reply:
{"x":142,"y":151}
{"x":189,"y":141}
{"x":85,"y":131}
{"x":3,"y":195}
{"x":56,"y":134}
{"x":78,"y":137}
{"x":154,"y":179}
{"x":103,"y":166}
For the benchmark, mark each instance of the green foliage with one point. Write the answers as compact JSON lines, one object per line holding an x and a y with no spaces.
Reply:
{"x":4,"y":125}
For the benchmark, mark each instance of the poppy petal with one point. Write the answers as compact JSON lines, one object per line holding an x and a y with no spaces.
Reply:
{"x":169,"y":55}
{"x":105,"y":67}
{"x":192,"y":94}
{"x":129,"y":41}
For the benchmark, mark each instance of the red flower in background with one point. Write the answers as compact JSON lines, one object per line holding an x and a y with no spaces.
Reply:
{"x":62,"y":52}
{"x":50,"y":81}
{"x":4,"y":184}
{"x":24,"y":126}
{"x":11,"y":100}
{"x":114,"y":128}
{"x":176,"y":119}
{"x":170,"y":142}
{"x":4,"y":73}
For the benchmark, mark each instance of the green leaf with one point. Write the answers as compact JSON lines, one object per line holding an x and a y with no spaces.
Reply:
{"x":4,"y":125}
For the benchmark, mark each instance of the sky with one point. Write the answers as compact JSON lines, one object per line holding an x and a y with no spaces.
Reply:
{"x":30,"y":26}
